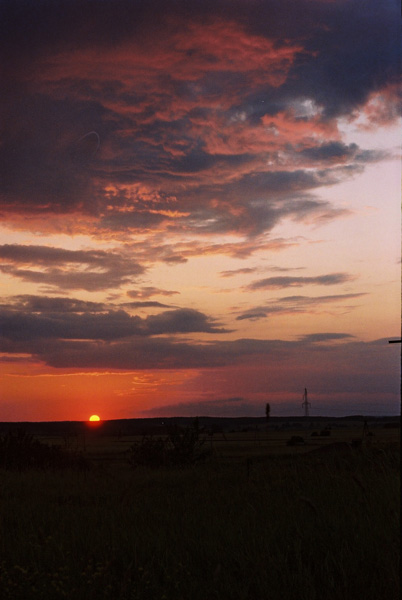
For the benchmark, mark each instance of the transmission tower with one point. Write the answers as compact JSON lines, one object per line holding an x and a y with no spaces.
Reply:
{"x":306,"y":403}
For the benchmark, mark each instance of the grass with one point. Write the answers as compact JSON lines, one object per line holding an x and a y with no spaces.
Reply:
{"x":280,"y":525}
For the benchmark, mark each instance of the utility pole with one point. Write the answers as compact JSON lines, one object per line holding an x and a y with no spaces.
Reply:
{"x":306,"y":403}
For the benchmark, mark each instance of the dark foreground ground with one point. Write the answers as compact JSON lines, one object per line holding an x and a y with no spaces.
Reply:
{"x":257,"y":519}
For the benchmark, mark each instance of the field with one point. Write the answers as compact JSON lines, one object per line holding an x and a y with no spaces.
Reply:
{"x":258,"y":519}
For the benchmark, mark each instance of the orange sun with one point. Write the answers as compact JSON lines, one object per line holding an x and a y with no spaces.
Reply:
{"x":94,"y":418}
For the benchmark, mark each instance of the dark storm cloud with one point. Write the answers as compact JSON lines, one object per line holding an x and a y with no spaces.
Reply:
{"x":190,"y":117}
{"x":181,"y":321}
{"x":42,"y":337}
{"x":351,"y":50}
{"x":80,"y":322}
{"x":137,"y":220}
{"x":163,"y":353}
{"x":357,"y":54}
{"x":109,"y":326}
{"x":69,"y":333}
{"x":262,"y":200}
{"x":287,"y":281}
{"x":330,"y":151}
{"x":334,"y":151}
{"x":47,"y":156}
{"x":140,"y":353}
{"x":334,"y":31}
{"x":89,"y":270}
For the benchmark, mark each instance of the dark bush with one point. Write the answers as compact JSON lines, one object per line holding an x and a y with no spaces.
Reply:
{"x":19,"y":450}
{"x":295,"y":440}
{"x":149,"y":452}
{"x":183,"y":446}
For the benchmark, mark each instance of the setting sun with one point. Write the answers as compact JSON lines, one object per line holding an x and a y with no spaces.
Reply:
{"x":94,"y":418}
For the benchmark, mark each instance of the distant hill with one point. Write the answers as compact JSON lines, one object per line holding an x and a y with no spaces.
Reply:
{"x":160,"y":425}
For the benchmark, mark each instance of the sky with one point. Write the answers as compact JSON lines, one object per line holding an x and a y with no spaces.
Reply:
{"x":200,"y":208}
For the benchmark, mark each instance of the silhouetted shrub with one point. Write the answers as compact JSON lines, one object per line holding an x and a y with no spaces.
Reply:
{"x":149,"y":452}
{"x":295,"y":440}
{"x":19,"y":450}
{"x":183,"y":446}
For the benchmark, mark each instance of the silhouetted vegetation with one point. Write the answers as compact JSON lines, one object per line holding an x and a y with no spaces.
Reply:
{"x":267,"y":411}
{"x":183,"y":446}
{"x":295,"y":440}
{"x":257,"y":520}
{"x":325,"y":432}
{"x":149,"y":452}
{"x":19,"y":450}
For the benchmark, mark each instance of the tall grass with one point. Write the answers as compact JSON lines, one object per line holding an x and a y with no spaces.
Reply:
{"x":302,"y":528}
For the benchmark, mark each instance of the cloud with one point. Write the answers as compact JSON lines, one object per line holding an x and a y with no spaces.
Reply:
{"x":214,"y":118}
{"x":330,"y":151}
{"x":50,"y":324}
{"x":149,"y":291}
{"x":297,"y":305}
{"x":249,"y":270}
{"x":66,"y":333}
{"x":89,"y":270}
{"x":43,"y":304}
{"x":243,"y":248}
{"x":133,"y":354}
{"x":108,"y":326}
{"x":237,"y":375}
{"x":336,"y":151}
{"x":324,"y":337}
{"x":145,"y":304}
{"x":181,"y":320}
{"x":254,"y":314}
{"x":287,"y":281}
{"x":232,"y":273}
{"x":219,"y":407}
{"x":256,"y":202}
{"x":255,"y":368}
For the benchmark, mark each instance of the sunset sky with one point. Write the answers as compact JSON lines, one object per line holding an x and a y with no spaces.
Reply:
{"x":200,"y":208}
